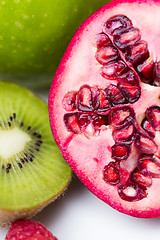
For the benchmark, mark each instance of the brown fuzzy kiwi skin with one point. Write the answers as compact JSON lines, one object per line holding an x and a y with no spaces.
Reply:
{"x":8,"y":216}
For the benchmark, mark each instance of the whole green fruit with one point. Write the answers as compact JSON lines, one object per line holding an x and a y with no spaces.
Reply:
{"x":34,"y":35}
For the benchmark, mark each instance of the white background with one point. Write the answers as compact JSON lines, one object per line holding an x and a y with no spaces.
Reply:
{"x":79,"y":215}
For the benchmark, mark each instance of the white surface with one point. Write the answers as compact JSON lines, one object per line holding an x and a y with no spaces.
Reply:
{"x":79,"y":215}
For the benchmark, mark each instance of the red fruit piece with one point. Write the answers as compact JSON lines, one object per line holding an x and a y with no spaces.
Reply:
{"x":107,"y":124}
{"x":131,"y":192}
{"x":101,"y":40}
{"x":117,"y":23}
{"x":137,"y":53}
{"x":121,"y":116}
{"x":145,"y":144}
{"x":149,"y":166}
{"x":111,"y":174}
{"x":153,"y":116}
{"x":103,"y":103}
{"x":124,"y":135}
{"x":69,"y":101}
{"x":127,"y":38}
{"x":71,"y":121}
{"x":145,"y":124}
{"x":113,"y":70}
{"x":120,"y":151}
{"x":114,"y":95}
{"x":28,"y":230}
{"x":130,"y":78}
{"x":84,"y":98}
{"x":131,"y":93}
{"x":145,"y":70}
{"x":107,"y":54}
{"x":142,"y":180}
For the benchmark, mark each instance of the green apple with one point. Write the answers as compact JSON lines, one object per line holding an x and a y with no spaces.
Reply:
{"x":34,"y":35}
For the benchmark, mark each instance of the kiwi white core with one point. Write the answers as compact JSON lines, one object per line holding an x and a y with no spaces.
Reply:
{"x":12,"y":141}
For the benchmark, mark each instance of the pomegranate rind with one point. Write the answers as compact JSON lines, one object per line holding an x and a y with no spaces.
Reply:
{"x":88,"y":156}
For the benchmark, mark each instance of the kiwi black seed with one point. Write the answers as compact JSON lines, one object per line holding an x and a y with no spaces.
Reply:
{"x":32,"y":170}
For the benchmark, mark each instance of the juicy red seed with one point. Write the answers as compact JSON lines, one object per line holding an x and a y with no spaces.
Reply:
{"x":120,"y":152}
{"x":117,"y":23}
{"x":114,"y":95}
{"x":142,"y":180}
{"x":137,"y":53}
{"x":124,"y":135}
{"x":145,"y":70}
{"x":104,"y":104}
{"x":131,"y":93}
{"x":101,"y":40}
{"x":130,"y":77}
{"x":145,"y":144}
{"x":111,"y":174}
{"x":153,"y":116}
{"x":96,"y":120}
{"x":99,"y":120}
{"x":157,"y":74}
{"x":149,"y":166}
{"x":127,"y":38}
{"x":84,"y":98}
{"x":71,"y":121}
{"x":121,"y":116}
{"x":69,"y":101}
{"x":113,"y":69}
{"x":83,"y":122}
{"x":132,"y":192}
{"x":107,"y":54}
{"x":148,"y":127}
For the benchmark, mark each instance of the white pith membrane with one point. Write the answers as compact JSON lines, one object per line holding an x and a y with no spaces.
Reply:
{"x":89,"y":155}
{"x":12,"y":142}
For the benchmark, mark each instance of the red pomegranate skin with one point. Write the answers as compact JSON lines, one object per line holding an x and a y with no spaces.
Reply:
{"x":28,"y":230}
{"x":86,"y":145}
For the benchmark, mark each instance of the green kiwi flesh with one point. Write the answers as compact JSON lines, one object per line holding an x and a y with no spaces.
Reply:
{"x":32,"y":170}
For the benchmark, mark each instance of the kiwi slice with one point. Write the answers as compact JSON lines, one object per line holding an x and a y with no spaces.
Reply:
{"x":32,"y":170}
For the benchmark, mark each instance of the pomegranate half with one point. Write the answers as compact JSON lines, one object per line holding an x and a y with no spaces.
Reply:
{"x":104,"y":105}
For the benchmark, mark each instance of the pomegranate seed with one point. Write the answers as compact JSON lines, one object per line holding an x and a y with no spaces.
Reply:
{"x":104,"y":104}
{"x":115,"y":97}
{"x":101,"y":40}
{"x":71,"y":121}
{"x":99,"y":120}
{"x":69,"y":101}
{"x":121,"y":116}
{"x":130,"y":77}
{"x":127,"y":38}
{"x":107,"y":54}
{"x":131,"y":93}
{"x":145,"y":144}
{"x":84,"y":98}
{"x":117,"y":23}
{"x":149,"y":166}
{"x":132,"y":192}
{"x":124,"y":135}
{"x":153,"y":116}
{"x":145,"y":70}
{"x":113,"y":69}
{"x":157,"y":74}
{"x":140,"y":179}
{"x":120,"y":152}
{"x":137,"y":53}
{"x":89,"y":121}
{"x":111,"y":174}
{"x":145,"y":124}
